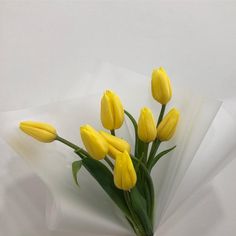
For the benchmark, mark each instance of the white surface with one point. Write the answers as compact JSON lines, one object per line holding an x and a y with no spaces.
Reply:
{"x":42,"y":44}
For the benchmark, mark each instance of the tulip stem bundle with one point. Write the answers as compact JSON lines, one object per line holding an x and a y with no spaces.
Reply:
{"x":124,"y":176}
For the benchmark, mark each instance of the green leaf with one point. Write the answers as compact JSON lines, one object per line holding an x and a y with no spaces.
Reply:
{"x":105,"y":179}
{"x":139,"y":206}
{"x":159,"y":156}
{"x":76,"y":165}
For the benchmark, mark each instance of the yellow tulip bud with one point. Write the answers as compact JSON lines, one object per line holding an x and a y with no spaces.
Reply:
{"x":116,"y":145}
{"x":94,"y":143}
{"x":43,"y":132}
{"x":124,"y":173}
{"x":161,"y":87}
{"x":113,"y":152}
{"x":167,"y":127}
{"x":146,"y":126}
{"x":112,"y":111}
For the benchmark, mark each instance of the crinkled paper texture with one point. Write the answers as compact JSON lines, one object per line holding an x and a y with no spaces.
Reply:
{"x":202,"y":149}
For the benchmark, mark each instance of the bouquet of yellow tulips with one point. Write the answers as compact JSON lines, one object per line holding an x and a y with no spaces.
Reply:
{"x":123,"y":172}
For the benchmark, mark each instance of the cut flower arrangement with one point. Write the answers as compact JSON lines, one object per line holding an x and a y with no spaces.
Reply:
{"x":123,"y":172}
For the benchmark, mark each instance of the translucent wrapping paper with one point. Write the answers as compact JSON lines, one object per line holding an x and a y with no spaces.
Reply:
{"x":203,"y":145}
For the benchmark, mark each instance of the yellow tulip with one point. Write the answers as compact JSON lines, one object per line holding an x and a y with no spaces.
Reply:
{"x":124,"y":173}
{"x":94,"y":143}
{"x":113,"y":152}
{"x":116,"y":145}
{"x":146,"y":126}
{"x":161,"y":87}
{"x":112,"y":111}
{"x":167,"y":127}
{"x":43,"y":132}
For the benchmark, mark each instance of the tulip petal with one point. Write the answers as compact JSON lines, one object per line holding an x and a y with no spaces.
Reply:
{"x":94,"y":143}
{"x":112,"y":111}
{"x":43,"y":132}
{"x":124,"y":173}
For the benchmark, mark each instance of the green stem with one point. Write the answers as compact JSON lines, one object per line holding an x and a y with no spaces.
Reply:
{"x":154,"y":148}
{"x":145,"y":152}
{"x":73,"y":146}
{"x":82,"y":156}
{"x":140,"y":149}
{"x":156,"y":143}
{"x":113,"y":132}
{"x":109,"y":162}
{"x":163,"y":107}
{"x":68,"y":143}
{"x":135,"y":131}
{"x":143,"y":155}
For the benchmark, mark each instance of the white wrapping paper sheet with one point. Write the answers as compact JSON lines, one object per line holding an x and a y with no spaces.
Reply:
{"x":215,"y":151}
{"x":22,"y":195}
{"x":88,"y":210}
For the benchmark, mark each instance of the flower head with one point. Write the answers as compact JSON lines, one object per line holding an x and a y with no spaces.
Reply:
{"x":161,"y":87}
{"x":112,"y":111}
{"x":124,"y":173}
{"x":43,"y":132}
{"x":146,"y":126}
{"x":94,"y":143}
{"x":167,"y":127}
{"x":116,"y":145}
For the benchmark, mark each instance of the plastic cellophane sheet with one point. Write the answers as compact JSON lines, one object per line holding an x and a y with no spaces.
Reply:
{"x":205,"y":137}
